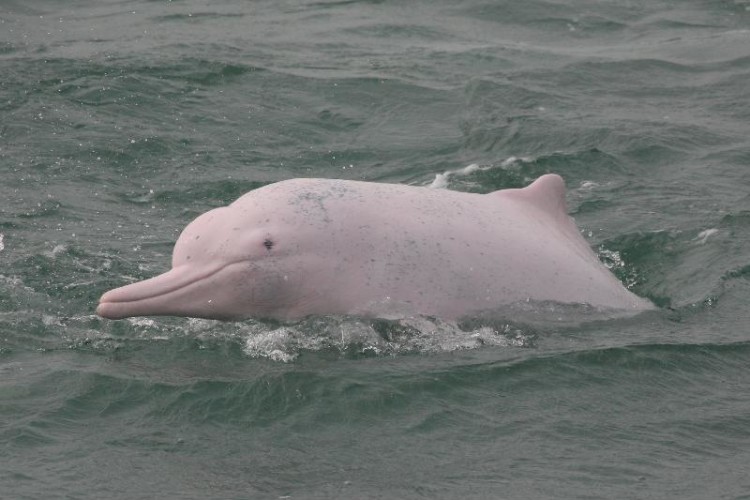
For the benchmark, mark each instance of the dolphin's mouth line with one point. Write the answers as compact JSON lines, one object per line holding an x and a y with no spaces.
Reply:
{"x":161,"y":289}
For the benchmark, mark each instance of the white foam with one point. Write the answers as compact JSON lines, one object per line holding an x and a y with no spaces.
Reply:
{"x":142,"y":322}
{"x":48,"y":320}
{"x":441,"y":180}
{"x":273,"y":345}
{"x":354,"y":336}
{"x":58,"y":249}
{"x":610,"y":258}
{"x":705,"y":234}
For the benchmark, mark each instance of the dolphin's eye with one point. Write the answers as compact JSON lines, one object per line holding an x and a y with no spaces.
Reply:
{"x":268,"y":243}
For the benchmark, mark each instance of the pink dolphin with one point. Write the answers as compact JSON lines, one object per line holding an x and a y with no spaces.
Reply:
{"x":323,"y":246}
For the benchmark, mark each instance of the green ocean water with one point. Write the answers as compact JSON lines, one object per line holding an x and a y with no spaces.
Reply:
{"x":122,"y":121}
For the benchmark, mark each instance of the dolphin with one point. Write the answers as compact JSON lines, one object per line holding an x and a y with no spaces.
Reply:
{"x":337,"y":247}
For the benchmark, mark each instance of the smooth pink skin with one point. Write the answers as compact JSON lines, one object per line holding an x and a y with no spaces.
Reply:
{"x":385,"y":250}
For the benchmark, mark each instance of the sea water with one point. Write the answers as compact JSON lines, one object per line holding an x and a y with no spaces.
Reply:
{"x":120,"y":121}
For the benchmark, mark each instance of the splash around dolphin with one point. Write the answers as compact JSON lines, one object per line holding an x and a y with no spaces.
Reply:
{"x":335,"y":247}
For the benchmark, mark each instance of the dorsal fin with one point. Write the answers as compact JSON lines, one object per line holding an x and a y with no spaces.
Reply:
{"x":546,"y":193}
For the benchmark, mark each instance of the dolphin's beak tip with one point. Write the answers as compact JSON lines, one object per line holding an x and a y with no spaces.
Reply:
{"x":101,"y":310}
{"x":109,"y":309}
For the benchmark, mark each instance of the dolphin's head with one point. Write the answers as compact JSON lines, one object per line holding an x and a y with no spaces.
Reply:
{"x":229,"y":263}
